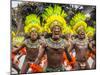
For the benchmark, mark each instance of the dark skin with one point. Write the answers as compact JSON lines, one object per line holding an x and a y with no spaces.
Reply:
{"x":54,"y":56}
{"x":93,"y":45}
{"x":31,"y":52}
{"x":69,"y":40}
{"x":93,"y":51}
{"x":82,"y":49}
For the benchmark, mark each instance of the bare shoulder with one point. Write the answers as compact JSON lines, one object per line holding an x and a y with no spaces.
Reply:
{"x":25,"y":41}
{"x":42,"y":42}
{"x":65,"y":42}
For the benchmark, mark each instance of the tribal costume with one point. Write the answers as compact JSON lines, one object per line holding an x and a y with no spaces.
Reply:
{"x":32,"y":50}
{"x":32,"y":28}
{"x":54,"y":46}
{"x":81,"y":46}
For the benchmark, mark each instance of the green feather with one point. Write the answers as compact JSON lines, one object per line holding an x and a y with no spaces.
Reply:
{"x":78,"y":17}
{"x":50,"y":11}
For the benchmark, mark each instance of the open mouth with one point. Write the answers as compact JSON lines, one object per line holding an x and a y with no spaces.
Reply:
{"x":57,"y":33}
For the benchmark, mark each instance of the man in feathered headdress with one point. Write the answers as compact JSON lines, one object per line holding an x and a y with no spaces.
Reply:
{"x":54,"y":46}
{"x":81,"y":46}
{"x":33,"y":29}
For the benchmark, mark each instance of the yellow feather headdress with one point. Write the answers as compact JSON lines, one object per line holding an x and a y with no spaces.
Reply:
{"x":77,"y":18}
{"x":81,"y":25}
{"x":32,"y":22}
{"x":68,"y":30}
{"x":18,"y":40}
{"x":13,"y":34}
{"x":54,"y":14}
{"x":90,"y":31}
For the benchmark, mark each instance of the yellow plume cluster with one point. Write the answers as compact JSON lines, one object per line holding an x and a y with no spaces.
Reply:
{"x":54,"y":14}
{"x":90,"y":31}
{"x":32,"y":22}
{"x":81,"y":25}
{"x":68,"y":30}
{"x":18,"y":40}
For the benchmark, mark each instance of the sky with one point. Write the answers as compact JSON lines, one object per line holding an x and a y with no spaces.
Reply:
{"x":15,"y":3}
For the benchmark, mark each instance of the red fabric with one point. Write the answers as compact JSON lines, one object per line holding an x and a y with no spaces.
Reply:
{"x":90,"y":54}
{"x":36,"y":68}
{"x":23,"y":51}
{"x":73,"y":59}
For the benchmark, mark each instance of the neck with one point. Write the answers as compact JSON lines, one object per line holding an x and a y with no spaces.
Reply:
{"x":33,"y":40}
{"x":81,"y":38}
{"x":54,"y":38}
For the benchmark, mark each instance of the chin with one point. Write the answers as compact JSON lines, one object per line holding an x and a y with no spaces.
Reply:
{"x":34,"y":38}
{"x":57,"y":38}
{"x":82,"y":37}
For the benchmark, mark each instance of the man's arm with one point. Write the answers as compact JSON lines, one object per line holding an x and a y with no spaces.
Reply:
{"x":68,"y":48}
{"x":67,"y":54}
{"x":91,"y":48}
{"x":40,"y":55}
